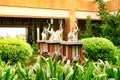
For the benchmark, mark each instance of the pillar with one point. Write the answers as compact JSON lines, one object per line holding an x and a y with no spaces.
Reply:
{"x":34,"y":30}
{"x":29,"y":32}
{"x":69,"y":23}
{"x":41,"y":24}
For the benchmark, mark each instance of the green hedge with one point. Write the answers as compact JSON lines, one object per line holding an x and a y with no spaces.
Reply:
{"x":98,"y":48}
{"x":14,"y":50}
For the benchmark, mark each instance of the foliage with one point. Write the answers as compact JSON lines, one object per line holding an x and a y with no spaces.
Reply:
{"x":117,"y":55}
{"x":35,"y":48}
{"x":103,"y":13}
{"x":111,"y":32}
{"x":85,"y":35}
{"x":48,"y":69}
{"x":88,"y":29}
{"x":111,"y":23}
{"x":88,"y":25}
{"x":14,"y":50}
{"x":98,"y":48}
{"x":96,"y":29}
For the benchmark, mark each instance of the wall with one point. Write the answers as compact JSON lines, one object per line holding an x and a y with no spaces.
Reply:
{"x":113,"y":5}
{"x":83,"y":5}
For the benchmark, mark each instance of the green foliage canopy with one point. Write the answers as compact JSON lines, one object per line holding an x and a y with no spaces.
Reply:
{"x":110,"y":23}
{"x":14,"y":50}
{"x":98,"y":48}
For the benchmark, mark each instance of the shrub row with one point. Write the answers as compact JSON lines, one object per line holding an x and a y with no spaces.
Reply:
{"x":98,"y":48}
{"x":14,"y":50}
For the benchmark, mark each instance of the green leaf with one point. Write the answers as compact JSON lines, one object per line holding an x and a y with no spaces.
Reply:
{"x":55,"y":66}
{"x":12,"y":76}
{"x":68,"y":76}
{"x":74,"y":73}
{"x":7,"y":75}
{"x":0,"y":62}
{"x":80,"y":75}
{"x":38,"y":74}
{"x":88,"y":72}
{"x":51,"y":67}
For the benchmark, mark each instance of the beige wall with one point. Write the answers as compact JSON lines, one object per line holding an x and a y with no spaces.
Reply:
{"x":113,"y":5}
{"x":83,"y":5}
{"x":53,"y":4}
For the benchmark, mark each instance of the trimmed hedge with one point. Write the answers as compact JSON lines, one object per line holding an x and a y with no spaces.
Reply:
{"x":98,"y":48}
{"x":14,"y":50}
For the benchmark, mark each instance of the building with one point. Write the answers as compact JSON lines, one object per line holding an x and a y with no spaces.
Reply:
{"x":34,"y":14}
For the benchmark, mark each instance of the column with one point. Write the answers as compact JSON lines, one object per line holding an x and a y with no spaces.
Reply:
{"x":69,"y":23}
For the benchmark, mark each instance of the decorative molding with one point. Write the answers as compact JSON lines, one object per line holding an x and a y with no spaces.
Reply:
{"x":83,"y":15}
{"x":8,"y":11}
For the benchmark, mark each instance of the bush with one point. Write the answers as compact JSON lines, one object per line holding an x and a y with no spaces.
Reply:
{"x":111,"y":33}
{"x":110,"y":23}
{"x":35,"y":48}
{"x":98,"y":48}
{"x":86,"y":35}
{"x":14,"y":50}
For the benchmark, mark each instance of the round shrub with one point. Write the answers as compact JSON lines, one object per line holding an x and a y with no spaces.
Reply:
{"x":98,"y":48}
{"x":14,"y":50}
